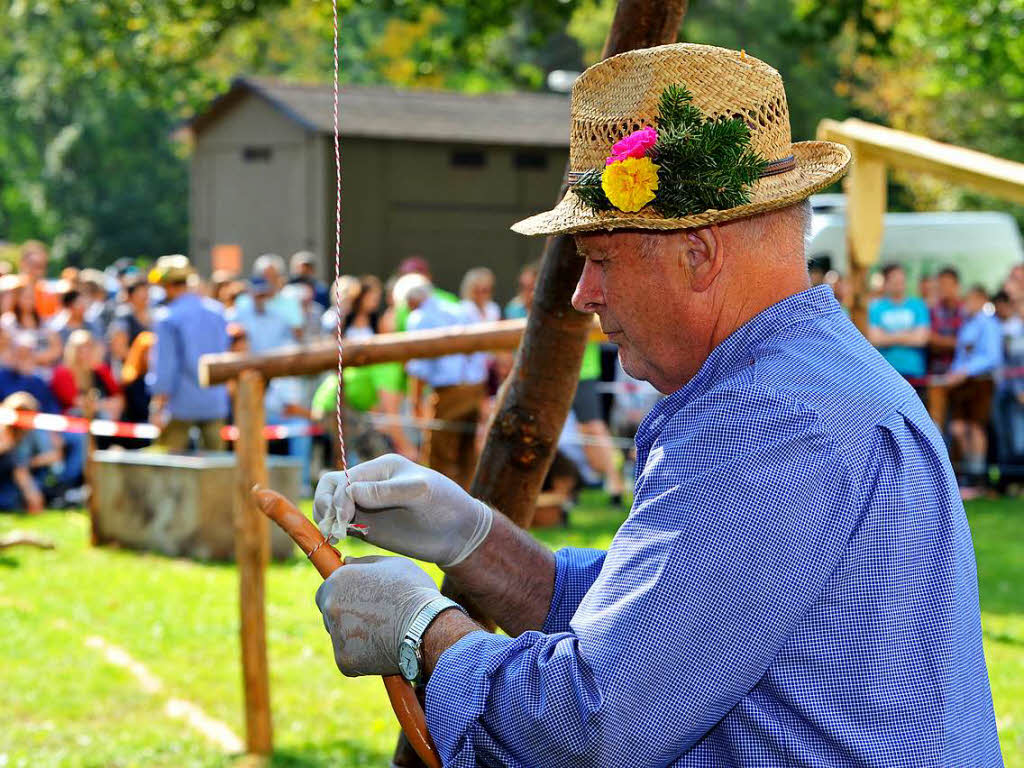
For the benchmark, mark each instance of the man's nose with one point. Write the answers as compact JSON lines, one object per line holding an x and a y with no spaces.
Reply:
{"x":587,"y":296}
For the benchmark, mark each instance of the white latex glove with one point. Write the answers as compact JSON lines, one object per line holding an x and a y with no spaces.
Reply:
{"x":405,"y":507}
{"x":368,"y":606}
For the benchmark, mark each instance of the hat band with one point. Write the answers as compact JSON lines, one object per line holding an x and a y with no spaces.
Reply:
{"x":774,"y":168}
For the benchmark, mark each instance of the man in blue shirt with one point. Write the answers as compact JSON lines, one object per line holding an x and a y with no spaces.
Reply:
{"x":456,"y":383}
{"x":899,"y":326}
{"x":187,"y":327}
{"x":795,"y":583}
{"x":979,"y":352}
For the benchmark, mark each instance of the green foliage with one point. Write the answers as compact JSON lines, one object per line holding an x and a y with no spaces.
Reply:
{"x":92,"y":93}
{"x":703,"y":164}
{"x":943,"y":69}
{"x":588,"y":189}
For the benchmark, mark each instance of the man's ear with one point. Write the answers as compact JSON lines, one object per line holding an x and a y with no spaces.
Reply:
{"x":704,"y":256}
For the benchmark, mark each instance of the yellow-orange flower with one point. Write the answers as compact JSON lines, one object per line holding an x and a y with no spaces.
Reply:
{"x":630,"y":184}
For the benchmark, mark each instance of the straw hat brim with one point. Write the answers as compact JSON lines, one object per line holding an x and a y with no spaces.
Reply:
{"x":818,"y":164}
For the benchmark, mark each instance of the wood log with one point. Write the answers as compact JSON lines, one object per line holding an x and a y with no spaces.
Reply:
{"x":252,"y":550}
{"x":320,"y":356}
{"x":535,"y":399}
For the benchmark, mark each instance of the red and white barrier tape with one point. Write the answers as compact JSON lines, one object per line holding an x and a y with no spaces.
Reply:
{"x":53,"y":422}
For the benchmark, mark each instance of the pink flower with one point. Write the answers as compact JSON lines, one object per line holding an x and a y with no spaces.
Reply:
{"x":635,"y":144}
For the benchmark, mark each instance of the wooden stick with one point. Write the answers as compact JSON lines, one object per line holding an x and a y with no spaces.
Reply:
{"x":384,"y":347}
{"x":327,"y":560}
{"x":252,"y":550}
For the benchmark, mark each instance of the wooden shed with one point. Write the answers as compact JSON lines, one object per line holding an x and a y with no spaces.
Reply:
{"x":434,"y":173}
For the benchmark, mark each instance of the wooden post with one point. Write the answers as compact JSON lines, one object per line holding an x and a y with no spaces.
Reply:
{"x":252,"y":550}
{"x":865,"y":221}
{"x":535,"y":400}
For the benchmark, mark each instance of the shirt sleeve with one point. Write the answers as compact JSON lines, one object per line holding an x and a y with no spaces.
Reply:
{"x":575,"y":571}
{"x":165,"y":356}
{"x":702,"y":586}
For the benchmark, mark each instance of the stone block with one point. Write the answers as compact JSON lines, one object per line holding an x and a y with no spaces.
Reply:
{"x":179,"y":505}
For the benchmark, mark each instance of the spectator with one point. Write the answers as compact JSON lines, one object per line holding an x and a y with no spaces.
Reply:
{"x":1009,"y":410}
{"x":18,"y":489}
{"x":977,"y":355}
{"x":523,"y":301}
{"x":303,"y":270}
{"x":477,"y":293}
{"x":361,"y":320}
{"x":186,"y":328}
{"x":72,"y":316}
{"x":131,"y":318}
{"x":456,"y":381}
{"x":82,"y":374}
{"x":21,"y":374}
{"x":597,"y":443}
{"x":899,"y":326}
{"x":265,"y":328}
{"x":24,"y":318}
{"x":928,"y":290}
{"x":946,"y":319}
{"x":34,"y":260}
{"x":270,"y":267}
{"x":417,"y":265}
{"x":100,"y":310}
{"x":284,"y":401}
{"x":342,"y":296}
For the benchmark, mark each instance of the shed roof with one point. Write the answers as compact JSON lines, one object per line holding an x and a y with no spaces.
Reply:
{"x":531,"y":119}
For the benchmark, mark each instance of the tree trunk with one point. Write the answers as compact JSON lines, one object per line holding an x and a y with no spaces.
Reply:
{"x":535,"y":400}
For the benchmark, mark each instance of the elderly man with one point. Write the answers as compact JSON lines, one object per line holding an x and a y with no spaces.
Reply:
{"x":795,"y":583}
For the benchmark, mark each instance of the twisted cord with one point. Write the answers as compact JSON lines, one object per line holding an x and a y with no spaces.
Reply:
{"x":337,"y":245}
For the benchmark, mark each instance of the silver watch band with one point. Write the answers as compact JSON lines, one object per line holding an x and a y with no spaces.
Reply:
{"x":426,"y":615}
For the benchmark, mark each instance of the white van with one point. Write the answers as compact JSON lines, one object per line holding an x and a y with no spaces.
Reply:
{"x":981,"y":245}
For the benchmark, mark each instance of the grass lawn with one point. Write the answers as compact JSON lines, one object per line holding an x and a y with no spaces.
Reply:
{"x":63,"y":704}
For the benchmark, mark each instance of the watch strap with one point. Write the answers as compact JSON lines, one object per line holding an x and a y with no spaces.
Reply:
{"x":426,"y":614}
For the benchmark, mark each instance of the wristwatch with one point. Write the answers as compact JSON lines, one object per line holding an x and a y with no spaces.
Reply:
{"x":410,"y":652}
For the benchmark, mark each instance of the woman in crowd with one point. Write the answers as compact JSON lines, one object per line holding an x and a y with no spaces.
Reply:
{"x":477,"y":292}
{"x":83,"y":371}
{"x":24,"y":317}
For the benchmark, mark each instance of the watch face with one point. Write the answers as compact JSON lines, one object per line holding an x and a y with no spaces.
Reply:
{"x":408,"y":664}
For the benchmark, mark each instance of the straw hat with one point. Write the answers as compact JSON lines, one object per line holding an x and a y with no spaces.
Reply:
{"x":171,"y":269}
{"x":621,"y":94}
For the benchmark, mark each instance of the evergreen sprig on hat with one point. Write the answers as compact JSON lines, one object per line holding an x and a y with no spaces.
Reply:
{"x":689,"y":165}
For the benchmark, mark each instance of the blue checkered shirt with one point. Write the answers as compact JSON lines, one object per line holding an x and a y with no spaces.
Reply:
{"x":794,"y":585}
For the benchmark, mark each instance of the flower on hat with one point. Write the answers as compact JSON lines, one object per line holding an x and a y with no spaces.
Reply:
{"x":691,"y":163}
{"x":630,"y":183}
{"x":635,"y":144}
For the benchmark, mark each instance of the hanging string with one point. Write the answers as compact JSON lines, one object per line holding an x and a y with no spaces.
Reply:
{"x":343,"y":460}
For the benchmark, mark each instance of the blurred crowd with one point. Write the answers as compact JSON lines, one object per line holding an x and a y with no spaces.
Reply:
{"x":962,"y":349}
{"x":123,"y":344}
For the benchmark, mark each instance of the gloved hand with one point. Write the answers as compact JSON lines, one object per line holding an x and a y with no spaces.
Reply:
{"x":406,"y":508}
{"x":367,"y":607}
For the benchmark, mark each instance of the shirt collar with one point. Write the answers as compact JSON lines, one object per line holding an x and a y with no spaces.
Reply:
{"x":737,"y":351}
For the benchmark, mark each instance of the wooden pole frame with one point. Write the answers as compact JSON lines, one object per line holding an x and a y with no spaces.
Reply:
{"x":252,"y":551}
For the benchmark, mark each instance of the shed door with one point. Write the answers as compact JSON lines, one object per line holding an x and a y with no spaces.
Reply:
{"x":259,"y":199}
